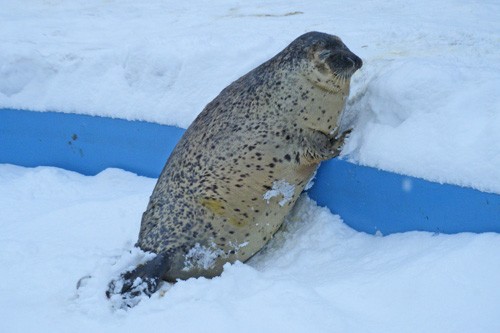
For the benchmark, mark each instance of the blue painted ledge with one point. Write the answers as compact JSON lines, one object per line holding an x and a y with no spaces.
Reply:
{"x":367,"y":199}
{"x":84,"y":144}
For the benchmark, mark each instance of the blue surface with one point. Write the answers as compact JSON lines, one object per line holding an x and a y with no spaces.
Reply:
{"x":84,"y":144}
{"x":367,"y":199}
{"x":372,"y":200}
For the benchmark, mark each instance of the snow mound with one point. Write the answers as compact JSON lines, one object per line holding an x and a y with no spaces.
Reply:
{"x":66,"y":236}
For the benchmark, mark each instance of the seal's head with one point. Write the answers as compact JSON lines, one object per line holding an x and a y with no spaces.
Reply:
{"x":325,"y":60}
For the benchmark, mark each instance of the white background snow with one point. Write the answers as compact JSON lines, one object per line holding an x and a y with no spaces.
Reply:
{"x":425,"y":103}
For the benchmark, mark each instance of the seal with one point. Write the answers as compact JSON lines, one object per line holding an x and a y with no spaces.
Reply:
{"x":241,"y":165}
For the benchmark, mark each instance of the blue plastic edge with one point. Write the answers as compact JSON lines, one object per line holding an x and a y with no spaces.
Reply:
{"x":373,"y":200}
{"x":86,"y":144}
{"x":367,"y":199}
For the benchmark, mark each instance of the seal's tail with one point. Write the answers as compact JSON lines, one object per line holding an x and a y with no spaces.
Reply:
{"x":143,"y":280}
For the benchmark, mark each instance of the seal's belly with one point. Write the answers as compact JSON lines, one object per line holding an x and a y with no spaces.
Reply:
{"x":247,"y":219}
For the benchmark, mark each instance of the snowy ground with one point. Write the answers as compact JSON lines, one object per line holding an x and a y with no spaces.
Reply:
{"x":425,"y":103}
{"x":317,"y":275}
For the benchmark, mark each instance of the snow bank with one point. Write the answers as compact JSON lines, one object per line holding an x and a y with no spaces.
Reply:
{"x":424,"y":103}
{"x":60,"y":229}
{"x":430,"y":118}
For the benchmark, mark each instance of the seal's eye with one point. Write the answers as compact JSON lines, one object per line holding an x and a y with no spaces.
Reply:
{"x":324,"y":54}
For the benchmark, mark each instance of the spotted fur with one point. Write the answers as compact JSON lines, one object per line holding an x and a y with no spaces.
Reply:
{"x":276,"y":123}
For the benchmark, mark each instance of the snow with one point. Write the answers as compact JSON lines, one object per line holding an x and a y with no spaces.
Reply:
{"x":316,"y":275}
{"x":310,"y":183}
{"x":281,"y":188}
{"x":202,"y":257}
{"x":425,"y":104}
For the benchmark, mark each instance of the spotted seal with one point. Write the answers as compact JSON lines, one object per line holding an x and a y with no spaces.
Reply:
{"x":241,"y":165}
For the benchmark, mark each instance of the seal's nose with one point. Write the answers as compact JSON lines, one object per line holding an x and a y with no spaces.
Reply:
{"x":355,"y":61}
{"x":358,"y":61}
{"x":344,"y":61}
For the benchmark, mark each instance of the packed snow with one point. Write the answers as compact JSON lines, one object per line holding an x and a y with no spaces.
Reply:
{"x":281,"y":189}
{"x":61,"y":229}
{"x":425,"y":104}
{"x":202,"y":256}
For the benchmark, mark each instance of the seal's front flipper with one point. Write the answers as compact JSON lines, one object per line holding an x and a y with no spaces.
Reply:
{"x":143,"y":280}
{"x":319,"y":146}
{"x":337,"y":142}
